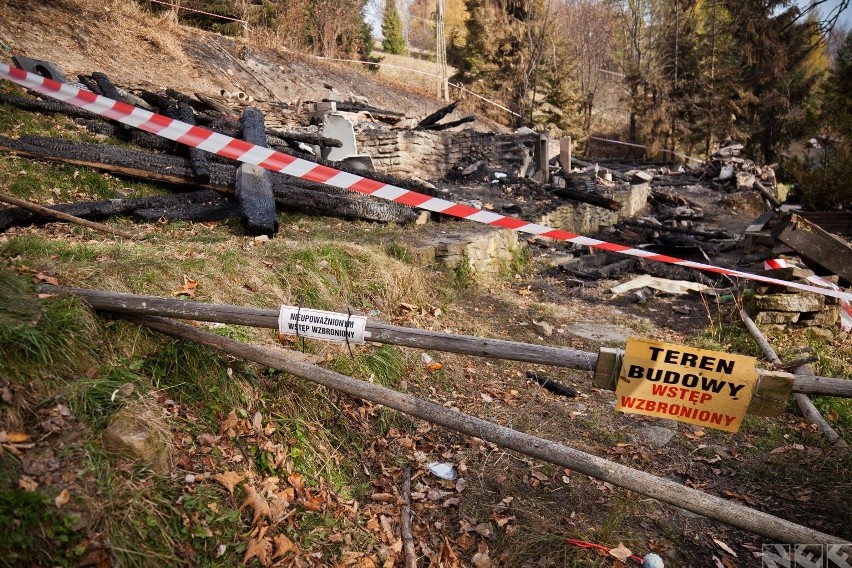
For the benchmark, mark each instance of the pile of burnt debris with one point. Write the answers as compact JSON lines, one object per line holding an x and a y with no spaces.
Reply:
{"x":207,"y":187}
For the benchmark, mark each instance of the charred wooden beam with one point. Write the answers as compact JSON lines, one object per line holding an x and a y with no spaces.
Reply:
{"x":90,"y":84}
{"x":107,"y":88}
{"x":305,"y":137}
{"x":17,"y":216}
{"x":815,"y":244}
{"x":45,"y":107}
{"x":585,"y":197}
{"x":352,"y":106}
{"x":137,"y":137}
{"x":175,"y":171}
{"x":196,"y":213}
{"x":254,"y":184}
{"x":451,"y":124}
{"x":198,"y":159}
{"x":160,"y":101}
{"x":437,"y":115}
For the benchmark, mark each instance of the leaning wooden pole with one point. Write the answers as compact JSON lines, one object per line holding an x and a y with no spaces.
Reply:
{"x":734,"y":514}
{"x":379,"y":332}
{"x":806,"y":406}
{"x":35,"y":208}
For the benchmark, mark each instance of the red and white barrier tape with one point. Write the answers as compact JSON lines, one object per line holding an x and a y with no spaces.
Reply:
{"x":209,"y":141}
{"x":845,"y":305}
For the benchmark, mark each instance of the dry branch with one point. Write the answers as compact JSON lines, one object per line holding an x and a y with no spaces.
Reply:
{"x":804,"y":403}
{"x":405,"y":521}
{"x":66,"y":217}
{"x":734,"y":514}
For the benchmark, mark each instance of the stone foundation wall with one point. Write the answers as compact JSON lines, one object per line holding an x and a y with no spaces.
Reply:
{"x":422,"y":153}
{"x":585,"y":219}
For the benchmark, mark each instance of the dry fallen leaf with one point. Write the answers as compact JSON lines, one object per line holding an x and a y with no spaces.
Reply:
{"x":257,"y":503}
{"x":435,"y":366}
{"x":283,"y":545}
{"x":62,"y":499}
{"x":725,"y":547}
{"x":27,"y":483}
{"x":446,"y":556}
{"x":481,"y":559}
{"x":42,"y":277}
{"x":261,"y":549}
{"x":17,"y":437}
{"x":228,"y":480}
{"x":621,"y":552}
{"x":188,"y":288}
{"x":230,"y":422}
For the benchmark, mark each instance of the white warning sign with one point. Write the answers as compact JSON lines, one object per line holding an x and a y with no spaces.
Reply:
{"x":318,"y":324}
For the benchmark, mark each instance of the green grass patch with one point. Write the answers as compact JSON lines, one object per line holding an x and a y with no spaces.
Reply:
{"x":34,"y":533}
{"x":383,"y":365}
{"x":54,"y":335}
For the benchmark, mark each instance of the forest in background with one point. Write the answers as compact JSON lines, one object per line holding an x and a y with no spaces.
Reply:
{"x":771,"y":74}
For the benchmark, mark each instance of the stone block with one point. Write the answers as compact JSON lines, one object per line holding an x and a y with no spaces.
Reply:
{"x":790,"y":302}
{"x":777,"y":317}
{"x":828,"y":318}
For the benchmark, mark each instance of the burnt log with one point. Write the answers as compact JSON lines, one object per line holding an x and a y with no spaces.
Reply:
{"x":198,"y":159}
{"x":305,"y":137}
{"x":254,"y":184}
{"x":137,"y":137}
{"x":17,"y":216}
{"x":585,"y":197}
{"x":90,"y":84}
{"x":437,"y":115}
{"x":107,"y":88}
{"x":45,"y":107}
{"x":291,"y":193}
{"x":353,"y":106}
{"x":159,"y":101}
{"x":451,"y":124}
{"x":196,"y":213}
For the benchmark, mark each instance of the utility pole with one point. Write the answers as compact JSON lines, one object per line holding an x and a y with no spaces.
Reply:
{"x":441,"y":52}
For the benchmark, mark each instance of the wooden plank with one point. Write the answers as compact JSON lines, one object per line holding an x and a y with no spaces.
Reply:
{"x":772,"y":394}
{"x":819,"y":246}
{"x":672,"y":492}
{"x":608,"y":368}
{"x":758,"y":224}
{"x":837,"y":222}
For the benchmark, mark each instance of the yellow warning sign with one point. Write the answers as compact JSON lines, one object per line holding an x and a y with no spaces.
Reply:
{"x":707,"y":388}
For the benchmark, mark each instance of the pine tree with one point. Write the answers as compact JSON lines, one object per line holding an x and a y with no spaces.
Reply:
{"x":394,"y":40}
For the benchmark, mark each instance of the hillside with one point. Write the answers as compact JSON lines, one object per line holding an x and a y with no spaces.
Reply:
{"x":124,"y":446}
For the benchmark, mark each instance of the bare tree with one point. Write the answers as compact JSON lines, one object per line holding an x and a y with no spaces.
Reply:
{"x":589,"y":30}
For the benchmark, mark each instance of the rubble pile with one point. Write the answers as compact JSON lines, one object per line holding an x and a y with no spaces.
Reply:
{"x":729,"y":171}
{"x":776,"y":305}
